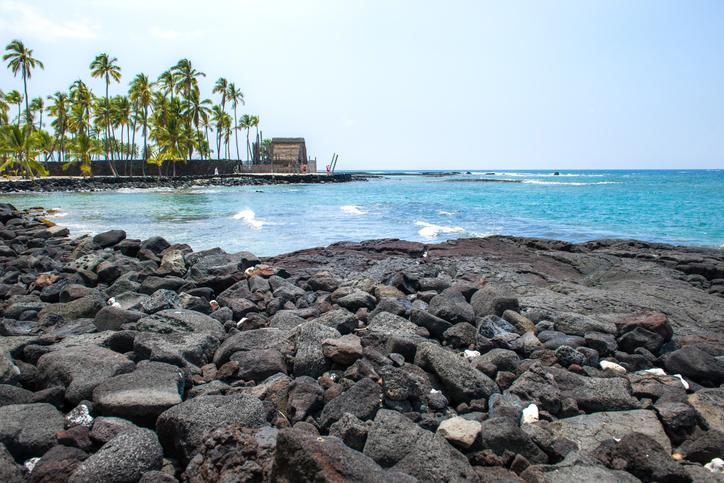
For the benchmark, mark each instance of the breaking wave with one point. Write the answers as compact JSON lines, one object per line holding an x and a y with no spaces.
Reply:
{"x":430,"y":230}
{"x":249,"y":217}
{"x":352,"y":210}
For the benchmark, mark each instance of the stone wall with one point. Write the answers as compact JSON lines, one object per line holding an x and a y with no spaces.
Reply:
{"x":194,"y":167}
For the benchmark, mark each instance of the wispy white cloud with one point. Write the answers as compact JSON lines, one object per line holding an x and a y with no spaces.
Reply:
{"x":22,"y":20}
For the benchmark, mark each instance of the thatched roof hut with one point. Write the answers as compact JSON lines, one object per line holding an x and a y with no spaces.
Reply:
{"x":288,"y":150}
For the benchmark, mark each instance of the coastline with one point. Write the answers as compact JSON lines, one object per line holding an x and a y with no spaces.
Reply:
{"x":492,"y":357}
{"x":103,"y":183}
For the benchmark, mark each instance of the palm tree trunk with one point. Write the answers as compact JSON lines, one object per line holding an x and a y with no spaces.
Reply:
{"x":236,"y":134}
{"x":25,"y":87}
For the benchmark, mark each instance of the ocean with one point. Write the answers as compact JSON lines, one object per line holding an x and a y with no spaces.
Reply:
{"x":674,"y":206}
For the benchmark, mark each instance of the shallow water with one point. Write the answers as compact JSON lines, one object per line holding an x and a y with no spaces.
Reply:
{"x":680,"y":207}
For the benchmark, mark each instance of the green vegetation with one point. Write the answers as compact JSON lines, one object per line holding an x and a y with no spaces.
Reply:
{"x":163,"y":122}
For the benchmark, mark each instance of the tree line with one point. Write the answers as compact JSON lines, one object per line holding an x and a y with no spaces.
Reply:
{"x":159,"y":121}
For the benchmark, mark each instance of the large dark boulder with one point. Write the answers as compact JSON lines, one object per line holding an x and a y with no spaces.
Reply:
{"x":234,"y":453}
{"x":28,"y":430}
{"x":361,"y":400}
{"x":462,"y":381}
{"x":301,"y":456}
{"x":182,"y":427}
{"x":141,"y":395}
{"x":109,"y":238}
{"x":642,"y":457}
{"x":122,"y":460}
{"x":81,"y":369}
{"x":694,"y":363}
{"x":503,"y":434}
{"x":452,"y":306}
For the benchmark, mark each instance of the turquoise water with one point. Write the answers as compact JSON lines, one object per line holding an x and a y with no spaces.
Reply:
{"x":680,"y":207}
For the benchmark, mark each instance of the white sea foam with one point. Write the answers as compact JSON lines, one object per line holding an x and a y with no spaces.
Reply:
{"x":249,"y":217}
{"x":430,"y":230}
{"x":446,"y":213}
{"x":160,"y":189}
{"x":352,"y":210}
{"x":536,"y":175}
{"x":57,"y":213}
{"x":571,"y":183}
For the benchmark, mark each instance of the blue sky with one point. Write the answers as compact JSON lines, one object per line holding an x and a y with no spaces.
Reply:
{"x":424,"y":84}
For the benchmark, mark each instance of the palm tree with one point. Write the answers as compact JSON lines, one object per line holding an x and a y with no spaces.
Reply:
{"x":4,"y":109}
{"x":221,"y":87}
{"x":106,"y":67}
{"x":247,"y":122}
{"x":15,"y":97}
{"x":166,"y":83}
{"x":141,"y":95}
{"x":20,"y":145}
{"x":255,"y":124}
{"x":236,"y":97}
{"x":196,"y":109}
{"x":20,"y":59}
{"x":81,"y":103}
{"x":186,"y":79}
{"x":36,"y":105}
{"x":82,"y":149}
{"x":121,"y":112}
{"x":59,"y":110}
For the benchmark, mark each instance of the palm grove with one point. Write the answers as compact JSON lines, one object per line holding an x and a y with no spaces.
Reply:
{"x":162,"y":122}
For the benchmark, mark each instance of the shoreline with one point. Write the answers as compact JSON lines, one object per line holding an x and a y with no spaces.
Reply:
{"x":105,"y":183}
{"x":483,"y":359}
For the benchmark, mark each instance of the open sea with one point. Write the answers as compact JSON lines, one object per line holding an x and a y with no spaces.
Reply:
{"x":678,"y":206}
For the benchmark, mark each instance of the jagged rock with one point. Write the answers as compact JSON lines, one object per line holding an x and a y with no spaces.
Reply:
{"x":81,"y":369}
{"x":14,"y":395}
{"x":112,"y":318}
{"x":435,"y":325}
{"x":460,"y":335}
{"x":709,"y":403}
{"x":309,"y":359}
{"x":161,"y":299}
{"x":653,"y":321}
{"x":451,"y":305}
{"x":503,"y":433}
{"x":122,"y":460}
{"x":109,"y":238}
{"x":106,"y":428}
{"x":234,"y":453}
{"x":502,"y":359}
{"x":351,"y":430}
{"x":589,"y":430}
{"x":57,"y":464}
{"x":257,"y":365}
{"x":696,"y":364}
{"x":301,"y":456}
{"x":577,"y":324}
{"x":641,"y":456}
{"x":265,"y":338}
{"x":356,"y":300}
{"x":305,"y":397}
{"x":142,"y":394}
{"x":343,"y":350}
{"x":640,"y":337}
{"x":462,"y":382}
{"x":28,"y":430}
{"x":459,"y":431}
{"x":576,"y":468}
{"x":341,"y":320}
{"x":182,"y":427}
{"x":361,"y":400}
{"x":491,"y":300}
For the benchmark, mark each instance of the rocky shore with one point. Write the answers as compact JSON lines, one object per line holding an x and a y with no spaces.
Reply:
{"x":102,"y":183}
{"x":491,"y":360}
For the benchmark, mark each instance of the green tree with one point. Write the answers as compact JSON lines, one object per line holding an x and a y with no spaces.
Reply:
{"x":141,"y":94}
{"x":81,"y":106}
{"x":59,"y":110}
{"x":236,"y":97}
{"x":220,"y":87}
{"x":4,"y":109}
{"x":36,"y":105}
{"x":15,"y":97}
{"x":247,"y":122}
{"x":19,"y":146}
{"x":82,"y":148}
{"x":20,"y":59}
{"x":106,"y":67}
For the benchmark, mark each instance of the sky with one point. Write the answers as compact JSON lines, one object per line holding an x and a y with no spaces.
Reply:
{"x":422,"y":84}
